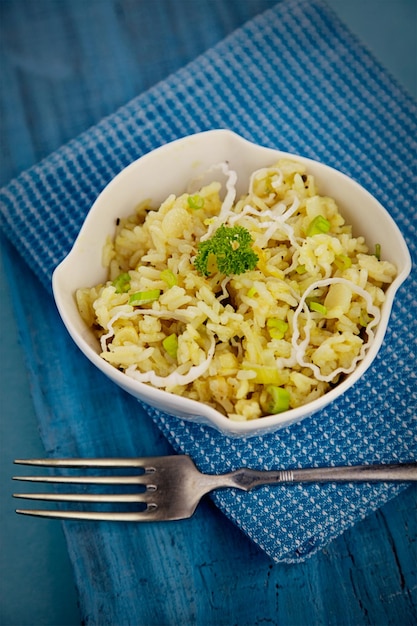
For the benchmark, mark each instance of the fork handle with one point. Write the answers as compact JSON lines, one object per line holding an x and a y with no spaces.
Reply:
{"x":247,"y":479}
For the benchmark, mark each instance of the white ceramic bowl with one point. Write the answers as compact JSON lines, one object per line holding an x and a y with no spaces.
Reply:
{"x":169,"y":169}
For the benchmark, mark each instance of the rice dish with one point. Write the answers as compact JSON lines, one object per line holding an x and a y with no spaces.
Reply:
{"x":253,"y":305}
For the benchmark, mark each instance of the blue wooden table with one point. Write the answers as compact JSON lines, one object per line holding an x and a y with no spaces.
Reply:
{"x":56,"y":57}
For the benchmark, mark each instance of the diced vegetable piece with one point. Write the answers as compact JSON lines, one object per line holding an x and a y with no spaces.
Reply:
{"x":169,"y":278}
{"x":364,"y":319}
{"x":195,"y":202}
{"x":378,"y":251}
{"x":170,"y":344}
{"x":276,"y":333}
{"x":338,"y":300}
{"x":279,"y":399}
{"x":317,"y":307}
{"x":144,"y":297}
{"x":301,"y":269}
{"x":342,"y":262}
{"x":267,"y":375}
{"x":122,"y":282}
{"x":318,"y":226}
{"x":277,"y":327}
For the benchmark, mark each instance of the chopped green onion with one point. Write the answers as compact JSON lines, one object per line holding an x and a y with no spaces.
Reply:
{"x":277,"y":328}
{"x":301,"y":269}
{"x":364,"y":319}
{"x":169,"y":277}
{"x":318,"y":226}
{"x":319,"y":308}
{"x":268,"y":184}
{"x":275,"y":322}
{"x":252,"y":292}
{"x":266,"y":375}
{"x":378,"y":251}
{"x":195,"y":202}
{"x":276,"y":333}
{"x":279,"y":399}
{"x":170,"y":344}
{"x":144,"y":297}
{"x":122,"y":282}
{"x":342,"y":261}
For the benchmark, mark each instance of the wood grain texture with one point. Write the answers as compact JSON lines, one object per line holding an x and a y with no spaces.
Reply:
{"x":64,"y":66}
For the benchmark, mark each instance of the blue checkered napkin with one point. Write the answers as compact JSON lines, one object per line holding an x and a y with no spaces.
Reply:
{"x":295,"y":79}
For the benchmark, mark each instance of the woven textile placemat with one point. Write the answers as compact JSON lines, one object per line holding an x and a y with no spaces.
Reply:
{"x":295,"y":79}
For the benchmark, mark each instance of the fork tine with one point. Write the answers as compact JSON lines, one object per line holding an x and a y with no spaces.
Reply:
{"x":145,"y":496}
{"x":148,"y":515}
{"x":141,"y":462}
{"x":139,"y":479}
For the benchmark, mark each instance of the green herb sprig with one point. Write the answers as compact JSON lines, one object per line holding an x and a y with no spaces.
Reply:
{"x":229,"y":250}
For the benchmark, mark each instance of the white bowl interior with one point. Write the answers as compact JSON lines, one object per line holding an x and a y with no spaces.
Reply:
{"x":170,"y":169}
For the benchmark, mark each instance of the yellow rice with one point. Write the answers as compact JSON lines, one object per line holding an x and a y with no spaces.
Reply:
{"x":326,"y":288}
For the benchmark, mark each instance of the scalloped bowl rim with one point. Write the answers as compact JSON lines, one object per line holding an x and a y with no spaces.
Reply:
{"x":187,"y":157}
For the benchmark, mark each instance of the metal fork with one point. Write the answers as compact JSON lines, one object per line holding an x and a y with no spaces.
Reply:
{"x":173,"y":486}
